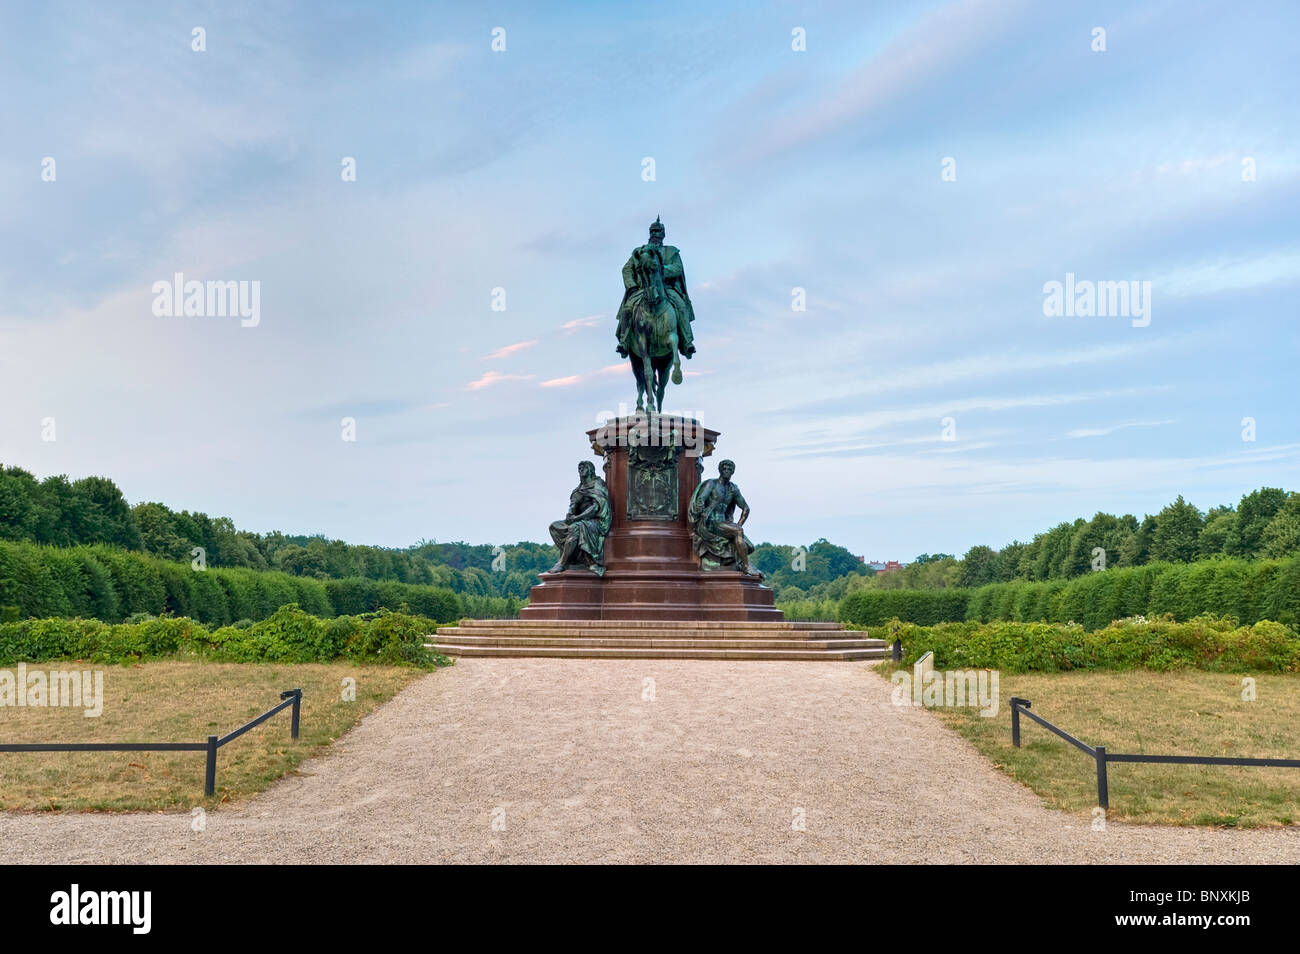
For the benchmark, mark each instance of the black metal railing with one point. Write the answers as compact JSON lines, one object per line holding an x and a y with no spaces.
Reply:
{"x":1020,"y":707}
{"x":292,"y":698}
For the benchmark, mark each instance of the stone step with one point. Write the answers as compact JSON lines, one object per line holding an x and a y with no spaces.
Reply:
{"x":605,"y":652}
{"x":633,"y":625}
{"x":738,"y":632}
{"x":655,"y":624}
{"x":665,"y":642}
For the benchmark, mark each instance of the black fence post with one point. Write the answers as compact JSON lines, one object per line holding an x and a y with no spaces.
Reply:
{"x":1103,"y":787}
{"x":210,"y":777}
{"x":296,"y":711}
{"x":1015,"y":720}
{"x":897,"y":648}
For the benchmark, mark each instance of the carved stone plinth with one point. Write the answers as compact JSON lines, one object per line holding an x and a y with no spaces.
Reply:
{"x":653,"y":463}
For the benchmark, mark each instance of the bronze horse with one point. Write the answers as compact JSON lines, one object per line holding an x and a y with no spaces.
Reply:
{"x":654,"y":332}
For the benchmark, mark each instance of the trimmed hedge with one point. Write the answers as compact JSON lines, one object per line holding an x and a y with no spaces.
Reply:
{"x":923,"y":607}
{"x":1214,"y":644}
{"x":288,"y":635}
{"x":1250,"y":591}
{"x":111,"y":585}
{"x":818,"y":611}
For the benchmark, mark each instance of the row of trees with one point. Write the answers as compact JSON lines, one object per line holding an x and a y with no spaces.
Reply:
{"x":821,"y":570}
{"x":90,"y":511}
{"x":93,"y":510}
{"x":1265,"y":524}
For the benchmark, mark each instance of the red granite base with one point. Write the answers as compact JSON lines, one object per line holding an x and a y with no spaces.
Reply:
{"x":689,"y":594}
{"x":652,"y":571}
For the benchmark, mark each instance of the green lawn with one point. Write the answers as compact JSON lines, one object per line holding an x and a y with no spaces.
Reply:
{"x":1143,"y":712}
{"x":181,"y":701}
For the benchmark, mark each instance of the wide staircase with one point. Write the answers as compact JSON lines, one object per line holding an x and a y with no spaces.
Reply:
{"x":628,"y":639}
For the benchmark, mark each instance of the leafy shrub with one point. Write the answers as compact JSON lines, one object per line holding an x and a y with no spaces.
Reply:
{"x":813,"y":610}
{"x":486,"y":607}
{"x":111,"y":584}
{"x":1217,"y":644}
{"x":925,"y":607}
{"x":135,"y":578}
{"x":390,"y":638}
{"x":1248,"y":590}
{"x":289,"y":635}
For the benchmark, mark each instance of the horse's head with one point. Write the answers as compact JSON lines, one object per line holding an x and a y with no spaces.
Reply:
{"x":650,"y":271}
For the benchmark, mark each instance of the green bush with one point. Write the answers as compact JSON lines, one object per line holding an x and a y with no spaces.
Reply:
{"x":389,"y":638}
{"x":288,"y":636}
{"x":488,"y":607}
{"x":311,"y":595}
{"x":1247,"y":590}
{"x":178,"y":589}
{"x":924,"y":607}
{"x":1216,"y":644}
{"x":136,"y":579}
{"x":351,"y":596}
{"x":813,"y":610}
{"x":111,"y":584}
{"x":209,"y":598}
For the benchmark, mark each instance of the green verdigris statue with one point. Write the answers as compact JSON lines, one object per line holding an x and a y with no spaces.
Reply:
{"x":654,"y":318}
{"x":581,"y":534}
{"x":718,"y":540}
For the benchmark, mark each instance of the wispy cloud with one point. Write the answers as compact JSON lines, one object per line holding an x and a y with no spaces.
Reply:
{"x":926,"y":52}
{"x":1111,"y":429}
{"x":490,"y":378}
{"x":931,"y":375}
{"x":573,"y":379}
{"x":591,"y":321}
{"x":510,"y":349}
{"x":1278,"y":267}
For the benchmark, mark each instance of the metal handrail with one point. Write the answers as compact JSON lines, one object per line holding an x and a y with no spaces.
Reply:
{"x":1020,"y":707}
{"x":292,"y":698}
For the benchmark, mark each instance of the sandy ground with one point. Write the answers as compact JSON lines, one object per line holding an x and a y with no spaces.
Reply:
{"x":559,"y":760}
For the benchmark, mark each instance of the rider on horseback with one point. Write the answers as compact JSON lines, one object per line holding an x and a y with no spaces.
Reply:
{"x":674,"y":289}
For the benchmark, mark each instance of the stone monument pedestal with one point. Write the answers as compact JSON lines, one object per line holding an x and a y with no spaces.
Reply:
{"x":652,"y":465}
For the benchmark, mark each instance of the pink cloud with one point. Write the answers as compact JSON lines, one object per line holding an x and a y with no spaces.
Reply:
{"x":495,"y":377}
{"x":591,"y":321}
{"x":510,"y":349}
{"x":562,"y":382}
{"x":573,"y":379}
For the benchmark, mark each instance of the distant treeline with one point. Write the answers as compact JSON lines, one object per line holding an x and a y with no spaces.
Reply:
{"x":62,"y":513}
{"x":1264,"y":525}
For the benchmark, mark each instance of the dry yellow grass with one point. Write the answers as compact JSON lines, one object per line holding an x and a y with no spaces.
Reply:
{"x":181,"y":701}
{"x":1177,"y":713}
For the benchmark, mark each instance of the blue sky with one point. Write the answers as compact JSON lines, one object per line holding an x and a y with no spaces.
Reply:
{"x":775,"y":169}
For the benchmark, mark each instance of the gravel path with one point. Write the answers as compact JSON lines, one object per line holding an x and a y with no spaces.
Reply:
{"x":570,"y":764}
